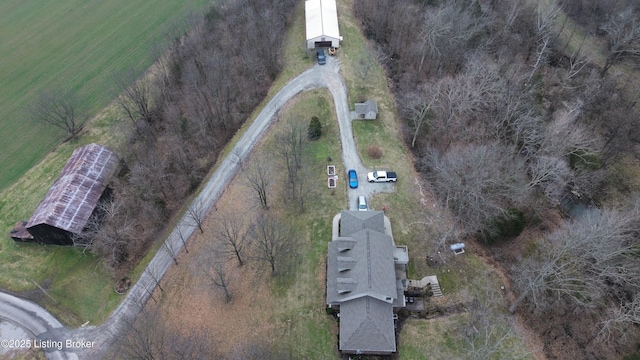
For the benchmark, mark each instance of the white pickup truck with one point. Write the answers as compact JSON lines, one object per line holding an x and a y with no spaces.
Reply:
{"x":382,"y":176}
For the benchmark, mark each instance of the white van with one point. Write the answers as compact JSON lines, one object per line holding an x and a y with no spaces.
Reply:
{"x":362,"y":203}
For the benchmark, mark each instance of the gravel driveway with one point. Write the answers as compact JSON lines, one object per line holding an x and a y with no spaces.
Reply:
{"x":44,"y":326}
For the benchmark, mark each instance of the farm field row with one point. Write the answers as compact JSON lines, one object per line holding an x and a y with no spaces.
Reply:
{"x":76,"y":45}
{"x":81,"y":46}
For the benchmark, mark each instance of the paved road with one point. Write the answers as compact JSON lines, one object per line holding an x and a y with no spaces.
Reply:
{"x":46,"y":329}
{"x":44,"y":326}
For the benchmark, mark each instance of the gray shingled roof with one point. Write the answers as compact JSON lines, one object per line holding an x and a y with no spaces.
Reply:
{"x":366,"y":325}
{"x":361,"y":279}
{"x":354,"y":221}
{"x":74,"y":195}
{"x":367,"y":269}
{"x":365,"y":107}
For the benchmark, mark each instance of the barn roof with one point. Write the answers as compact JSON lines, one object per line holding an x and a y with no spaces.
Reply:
{"x":321,"y":19}
{"x":74,"y":195}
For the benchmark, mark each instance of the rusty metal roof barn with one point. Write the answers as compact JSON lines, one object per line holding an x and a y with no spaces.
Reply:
{"x":73,"y":197}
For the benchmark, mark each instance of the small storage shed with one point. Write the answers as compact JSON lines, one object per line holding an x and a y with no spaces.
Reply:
{"x":367,"y":110}
{"x":322,"y":23}
{"x":71,"y":200}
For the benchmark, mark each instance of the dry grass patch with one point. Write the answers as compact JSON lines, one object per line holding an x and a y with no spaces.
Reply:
{"x":280,"y":311}
{"x":374,"y":152}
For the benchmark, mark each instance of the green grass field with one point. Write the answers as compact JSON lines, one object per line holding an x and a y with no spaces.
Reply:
{"x":81,"y":46}
{"x":76,"y":45}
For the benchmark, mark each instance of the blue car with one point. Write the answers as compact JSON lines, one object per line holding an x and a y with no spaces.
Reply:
{"x":353,"y":179}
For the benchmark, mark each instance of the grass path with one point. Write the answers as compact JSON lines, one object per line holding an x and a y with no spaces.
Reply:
{"x":572,"y":40}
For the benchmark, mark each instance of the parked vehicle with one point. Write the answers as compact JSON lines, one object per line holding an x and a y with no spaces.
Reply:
{"x":362,"y":203}
{"x":382,"y":176}
{"x":353,"y":179}
{"x":320,"y":56}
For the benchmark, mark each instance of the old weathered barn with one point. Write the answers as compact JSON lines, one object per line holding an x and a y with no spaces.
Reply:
{"x":322,"y":23}
{"x":71,"y":200}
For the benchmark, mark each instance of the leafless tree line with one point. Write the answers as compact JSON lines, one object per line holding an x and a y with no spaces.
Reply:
{"x":206,"y":85}
{"x":591,"y":262}
{"x":504,"y":123}
{"x":546,"y":130}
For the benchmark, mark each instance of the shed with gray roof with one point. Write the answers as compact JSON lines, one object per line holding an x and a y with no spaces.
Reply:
{"x":367,"y":110}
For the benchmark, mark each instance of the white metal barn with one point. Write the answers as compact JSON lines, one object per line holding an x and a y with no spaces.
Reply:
{"x":322,"y":23}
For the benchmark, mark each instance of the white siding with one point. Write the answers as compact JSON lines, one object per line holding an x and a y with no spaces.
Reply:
{"x":322,"y":22}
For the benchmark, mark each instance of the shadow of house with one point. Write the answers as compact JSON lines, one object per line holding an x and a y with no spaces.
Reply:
{"x":366,"y":279}
{"x":367,"y":110}
{"x":70,"y":202}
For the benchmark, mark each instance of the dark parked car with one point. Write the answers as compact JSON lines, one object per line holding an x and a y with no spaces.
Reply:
{"x":320,"y":55}
{"x":353,"y":179}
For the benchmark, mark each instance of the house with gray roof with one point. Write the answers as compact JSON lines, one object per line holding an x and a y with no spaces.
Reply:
{"x":367,"y":110}
{"x":366,"y":279}
{"x":72,"y":198}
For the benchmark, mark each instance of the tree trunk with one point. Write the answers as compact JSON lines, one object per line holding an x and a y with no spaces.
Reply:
{"x":514,"y":305}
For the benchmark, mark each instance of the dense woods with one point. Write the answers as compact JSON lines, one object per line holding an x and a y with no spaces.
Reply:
{"x":514,"y":128}
{"x":181,"y":116}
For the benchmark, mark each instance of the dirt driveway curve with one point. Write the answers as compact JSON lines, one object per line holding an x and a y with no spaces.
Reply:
{"x":48,"y":328}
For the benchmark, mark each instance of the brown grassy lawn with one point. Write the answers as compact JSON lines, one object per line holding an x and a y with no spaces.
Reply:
{"x":280,"y":311}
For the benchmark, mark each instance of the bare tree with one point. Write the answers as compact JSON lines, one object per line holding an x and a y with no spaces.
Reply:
{"x":623,"y":38}
{"x":418,"y":109}
{"x":367,"y":61}
{"x":233,"y":232}
{"x":212,"y":263}
{"x":144,"y":338}
{"x":155,"y":277}
{"x":184,"y":241}
{"x":260,"y":177}
{"x":482,"y":331}
{"x":112,"y":233}
{"x":168,"y":245}
{"x":583,"y":262}
{"x":59,"y":108}
{"x":151,"y":337}
{"x":275,"y":241}
{"x":197,"y":211}
{"x":546,"y":16}
{"x":478,"y":183}
{"x":219,"y":277}
{"x":301,"y":189}
{"x":619,"y":320}
{"x":135,"y":96}
{"x":445,"y":30}
{"x":289,"y":145}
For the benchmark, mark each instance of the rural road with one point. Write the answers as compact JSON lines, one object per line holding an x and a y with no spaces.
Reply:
{"x":44,"y":326}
